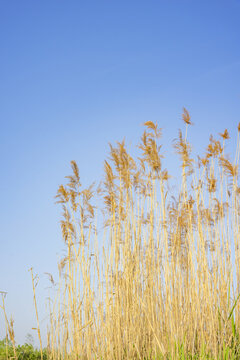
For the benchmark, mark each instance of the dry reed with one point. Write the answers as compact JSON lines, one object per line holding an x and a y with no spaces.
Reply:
{"x":160,"y":279}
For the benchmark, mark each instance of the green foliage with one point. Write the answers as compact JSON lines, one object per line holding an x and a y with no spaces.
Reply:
{"x":24,"y":352}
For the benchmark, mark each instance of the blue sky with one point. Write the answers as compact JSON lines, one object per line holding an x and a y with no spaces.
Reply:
{"x":75,"y":75}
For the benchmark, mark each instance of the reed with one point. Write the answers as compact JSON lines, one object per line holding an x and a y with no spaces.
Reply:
{"x":147,"y":273}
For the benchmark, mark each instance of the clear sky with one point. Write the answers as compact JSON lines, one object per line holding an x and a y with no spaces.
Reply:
{"x":75,"y":75}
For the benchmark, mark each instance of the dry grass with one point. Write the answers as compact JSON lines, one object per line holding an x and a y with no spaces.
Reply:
{"x":160,"y":279}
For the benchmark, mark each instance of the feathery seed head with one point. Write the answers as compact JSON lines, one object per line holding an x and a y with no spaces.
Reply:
{"x":225,"y":134}
{"x":186,"y":117}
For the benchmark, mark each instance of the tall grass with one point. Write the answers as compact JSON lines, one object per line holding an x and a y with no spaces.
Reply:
{"x":150,"y":274}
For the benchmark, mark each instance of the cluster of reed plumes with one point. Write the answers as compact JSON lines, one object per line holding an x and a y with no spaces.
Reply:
{"x":159,"y":277}
{"x":150,"y":272}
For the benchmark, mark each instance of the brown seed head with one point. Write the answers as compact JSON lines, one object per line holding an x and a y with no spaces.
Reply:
{"x":150,"y":125}
{"x":225,"y":134}
{"x":228,"y":167}
{"x":186,"y":117}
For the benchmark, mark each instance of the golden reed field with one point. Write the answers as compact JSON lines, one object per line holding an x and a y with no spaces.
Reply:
{"x":150,"y":271}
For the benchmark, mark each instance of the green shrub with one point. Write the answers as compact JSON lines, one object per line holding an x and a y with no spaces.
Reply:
{"x":24,"y":352}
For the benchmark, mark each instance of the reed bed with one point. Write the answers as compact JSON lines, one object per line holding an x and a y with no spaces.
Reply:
{"x":150,"y":273}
